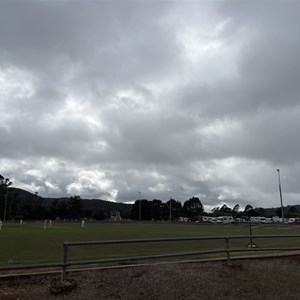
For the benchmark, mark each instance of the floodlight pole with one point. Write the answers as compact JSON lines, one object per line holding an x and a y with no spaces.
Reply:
{"x":280,"y":193}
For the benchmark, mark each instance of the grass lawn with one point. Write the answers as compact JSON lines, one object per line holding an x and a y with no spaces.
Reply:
{"x":29,"y":243}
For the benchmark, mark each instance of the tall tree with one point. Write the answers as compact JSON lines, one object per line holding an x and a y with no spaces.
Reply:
{"x":146,"y":210}
{"x":4,"y":184}
{"x":75,"y":207}
{"x":156,"y":209}
{"x":216,"y":211}
{"x":135,"y":210}
{"x":225,"y":210}
{"x":235,"y":210}
{"x":176,"y":209}
{"x":142,"y":206}
{"x":249,"y":211}
{"x":248,"y":207}
{"x":193,"y":208}
{"x":172,"y":209}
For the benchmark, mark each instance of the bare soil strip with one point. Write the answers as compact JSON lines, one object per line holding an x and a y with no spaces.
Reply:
{"x":276,"y":278}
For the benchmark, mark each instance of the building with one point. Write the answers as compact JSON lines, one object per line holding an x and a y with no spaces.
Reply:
{"x":114,"y":216}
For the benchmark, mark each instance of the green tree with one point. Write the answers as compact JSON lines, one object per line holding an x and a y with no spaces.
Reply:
{"x":62,"y":210}
{"x":261,"y":211}
{"x":4,"y":184}
{"x":31,"y":207}
{"x":99,"y":215}
{"x":54,"y":209}
{"x":247,"y":208}
{"x":225,"y":210}
{"x":235,"y":211}
{"x":278,"y":212}
{"x":145,"y":206}
{"x":75,"y":207}
{"x":146,"y":209}
{"x":193,"y":208}
{"x":293,"y":209}
{"x":216,"y":211}
{"x":13,"y":205}
{"x":176,"y":209}
{"x":156,"y":209}
{"x":292,"y":212}
{"x":135,"y":210}
{"x":249,"y":211}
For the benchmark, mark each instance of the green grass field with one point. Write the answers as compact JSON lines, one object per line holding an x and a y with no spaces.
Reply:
{"x":30,"y":243}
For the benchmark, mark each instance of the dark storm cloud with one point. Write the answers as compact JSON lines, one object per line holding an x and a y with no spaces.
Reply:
{"x":169,"y":99}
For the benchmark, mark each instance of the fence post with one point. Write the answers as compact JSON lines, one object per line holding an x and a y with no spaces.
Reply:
{"x":64,"y":265}
{"x":227,"y":249}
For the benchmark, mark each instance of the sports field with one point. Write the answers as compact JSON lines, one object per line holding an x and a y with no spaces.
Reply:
{"x":31,"y":243}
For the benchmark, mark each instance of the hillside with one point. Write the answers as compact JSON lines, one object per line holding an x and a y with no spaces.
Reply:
{"x":289,"y":210}
{"x":21,"y":200}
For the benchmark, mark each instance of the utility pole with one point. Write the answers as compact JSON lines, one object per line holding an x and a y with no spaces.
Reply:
{"x":280,"y":193}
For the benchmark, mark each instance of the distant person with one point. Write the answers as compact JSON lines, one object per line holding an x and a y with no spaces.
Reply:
{"x":82,"y":223}
{"x":21,"y":222}
{"x":50,"y":224}
{"x":1,"y":224}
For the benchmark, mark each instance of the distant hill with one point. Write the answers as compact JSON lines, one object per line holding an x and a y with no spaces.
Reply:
{"x":289,"y":211}
{"x":87,"y":204}
{"x":94,"y":204}
{"x":23,"y":204}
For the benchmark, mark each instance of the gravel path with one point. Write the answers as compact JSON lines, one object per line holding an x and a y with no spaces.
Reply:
{"x":260,"y":279}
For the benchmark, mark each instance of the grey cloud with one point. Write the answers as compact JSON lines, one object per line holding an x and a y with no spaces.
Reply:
{"x":108,"y":99}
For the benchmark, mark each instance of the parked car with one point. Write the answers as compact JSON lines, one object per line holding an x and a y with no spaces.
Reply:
{"x":213,"y":220}
{"x":225,"y":219}
{"x":294,"y":220}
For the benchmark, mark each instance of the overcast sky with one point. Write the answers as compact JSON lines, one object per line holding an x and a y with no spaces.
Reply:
{"x":106,"y":99}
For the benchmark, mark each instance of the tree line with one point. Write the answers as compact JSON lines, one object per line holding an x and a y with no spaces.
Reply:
{"x":171,"y":210}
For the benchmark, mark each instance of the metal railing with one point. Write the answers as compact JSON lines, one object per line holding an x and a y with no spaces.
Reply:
{"x":227,"y":250}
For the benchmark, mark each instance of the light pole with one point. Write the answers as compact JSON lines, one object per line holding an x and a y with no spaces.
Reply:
{"x":140,"y":208}
{"x":280,"y":193}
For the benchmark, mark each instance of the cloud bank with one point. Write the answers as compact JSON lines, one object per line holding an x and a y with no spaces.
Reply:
{"x":106,"y":99}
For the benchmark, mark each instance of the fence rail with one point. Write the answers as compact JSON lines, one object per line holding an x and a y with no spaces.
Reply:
{"x":226,"y":250}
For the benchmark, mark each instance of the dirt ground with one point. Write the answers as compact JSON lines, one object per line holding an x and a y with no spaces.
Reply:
{"x":247,"y":279}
